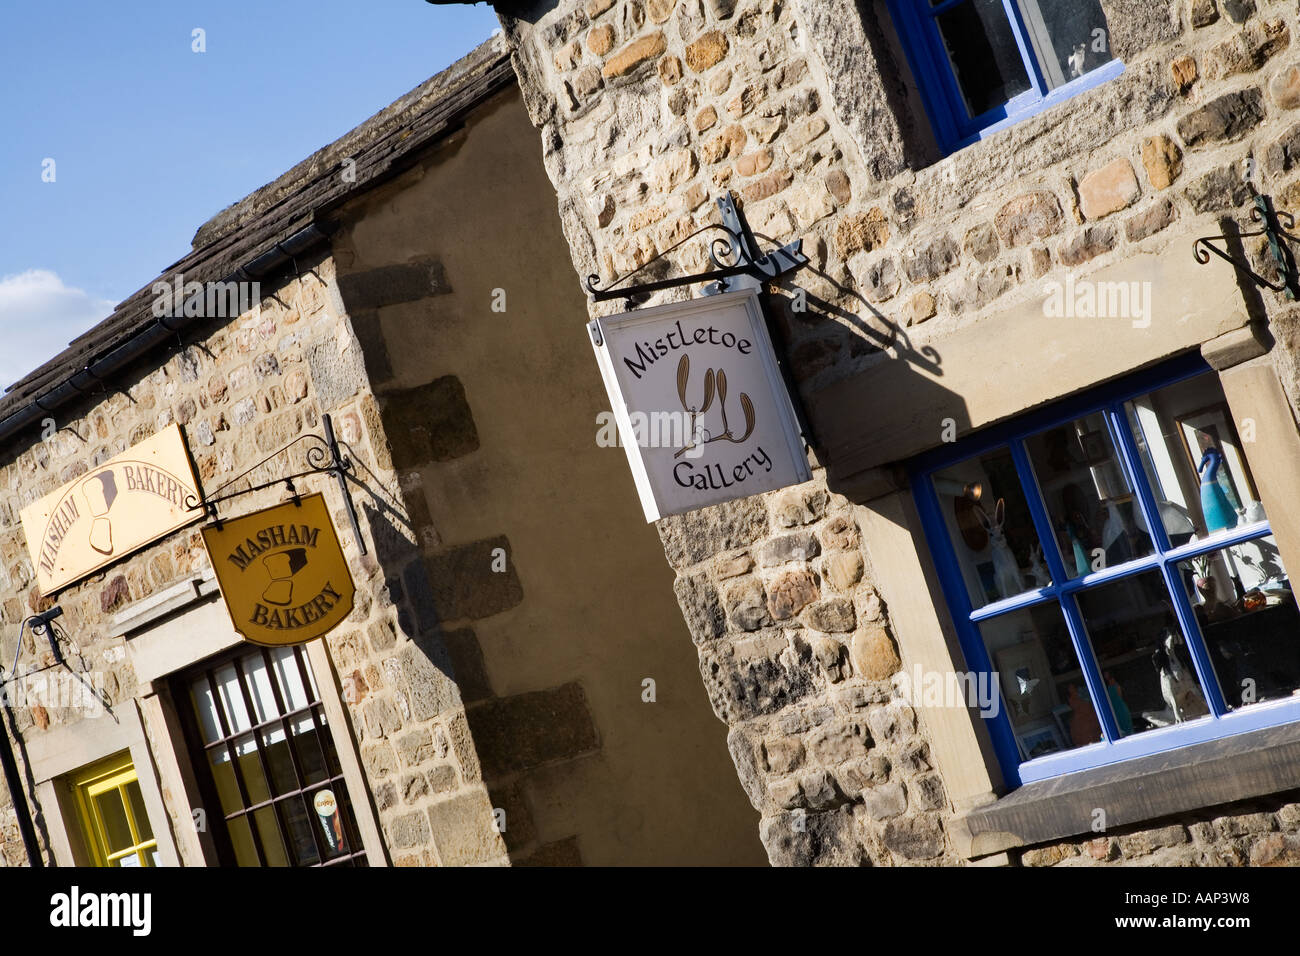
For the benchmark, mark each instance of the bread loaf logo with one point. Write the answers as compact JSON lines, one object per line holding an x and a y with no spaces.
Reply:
{"x":120,"y":506}
{"x":282,"y":572}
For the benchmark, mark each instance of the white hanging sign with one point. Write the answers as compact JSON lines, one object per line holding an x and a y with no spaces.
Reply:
{"x":701,"y":407}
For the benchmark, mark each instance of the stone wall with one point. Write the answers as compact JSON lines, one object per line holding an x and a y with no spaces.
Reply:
{"x":805,"y":109}
{"x":1251,"y":833}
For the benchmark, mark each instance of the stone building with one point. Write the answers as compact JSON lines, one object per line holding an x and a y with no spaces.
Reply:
{"x":484,"y":702}
{"x":993,"y":628}
{"x":999,"y":203}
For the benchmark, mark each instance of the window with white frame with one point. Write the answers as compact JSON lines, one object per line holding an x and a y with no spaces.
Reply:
{"x":982,"y":65}
{"x":1109,"y":563}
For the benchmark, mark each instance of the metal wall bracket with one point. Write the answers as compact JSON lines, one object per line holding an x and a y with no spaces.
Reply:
{"x":1278,"y":247}
{"x":323,"y":458}
{"x":739,"y":261}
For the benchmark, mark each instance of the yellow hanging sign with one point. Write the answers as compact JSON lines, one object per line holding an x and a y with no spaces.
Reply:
{"x":282,"y":572}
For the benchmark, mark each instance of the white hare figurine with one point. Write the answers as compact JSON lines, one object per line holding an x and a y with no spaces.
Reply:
{"x":1006,"y":570}
{"x":1037,"y":571}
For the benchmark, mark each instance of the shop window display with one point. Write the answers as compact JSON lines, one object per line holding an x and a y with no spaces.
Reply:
{"x":1111,"y":564}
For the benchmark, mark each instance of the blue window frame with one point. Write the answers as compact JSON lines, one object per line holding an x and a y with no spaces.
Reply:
{"x":1175,"y":611}
{"x":982,"y":65}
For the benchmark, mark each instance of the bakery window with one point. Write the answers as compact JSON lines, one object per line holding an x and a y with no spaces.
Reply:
{"x":1110,"y":567}
{"x":982,"y":65}
{"x":266,"y":761}
{"x":115,"y":828}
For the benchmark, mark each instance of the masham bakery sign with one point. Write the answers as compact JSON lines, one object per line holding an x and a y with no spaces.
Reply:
{"x":702,"y":372}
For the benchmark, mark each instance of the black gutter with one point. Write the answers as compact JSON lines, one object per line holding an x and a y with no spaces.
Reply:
{"x":90,"y":377}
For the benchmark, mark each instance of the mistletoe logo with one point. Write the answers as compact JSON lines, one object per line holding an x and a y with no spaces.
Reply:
{"x":715,"y":383}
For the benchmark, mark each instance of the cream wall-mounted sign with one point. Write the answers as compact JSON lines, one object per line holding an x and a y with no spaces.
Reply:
{"x":282,"y":572}
{"x":702,"y":411}
{"x":111,"y":511}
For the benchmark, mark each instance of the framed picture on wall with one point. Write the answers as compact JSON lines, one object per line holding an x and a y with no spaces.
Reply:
{"x":1026,"y":680}
{"x":1213,"y":426}
{"x":1039,"y":740}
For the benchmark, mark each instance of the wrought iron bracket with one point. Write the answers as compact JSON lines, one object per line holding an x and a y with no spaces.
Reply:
{"x":736,"y":255}
{"x":1278,"y":247}
{"x":323,"y":458}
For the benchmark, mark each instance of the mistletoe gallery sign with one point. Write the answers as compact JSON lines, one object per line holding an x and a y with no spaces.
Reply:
{"x":701,"y":408}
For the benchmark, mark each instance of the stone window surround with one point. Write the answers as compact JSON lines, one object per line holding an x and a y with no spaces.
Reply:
{"x":987,"y":819}
{"x":62,"y":750}
{"x":188,"y":616}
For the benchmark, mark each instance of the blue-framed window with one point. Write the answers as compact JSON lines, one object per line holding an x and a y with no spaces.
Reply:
{"x":1108,"y":561}
{"x":983,"y":65}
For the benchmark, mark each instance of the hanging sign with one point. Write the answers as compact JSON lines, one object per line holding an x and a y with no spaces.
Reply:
{"x":282,"y":572}
{"x":702,"y":411}
{"x":112,"y":510}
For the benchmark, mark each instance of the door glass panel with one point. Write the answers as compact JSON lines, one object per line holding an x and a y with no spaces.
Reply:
{"x":1144,"y":660}
{"x":1041,"y":681}
{"x":992,"y":533}
{"x":982,"y":50}
{"x":1093,"y":510}
{"x":1247,"y":614}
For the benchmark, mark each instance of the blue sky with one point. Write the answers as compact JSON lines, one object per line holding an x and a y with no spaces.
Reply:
{"x":149,"y":138}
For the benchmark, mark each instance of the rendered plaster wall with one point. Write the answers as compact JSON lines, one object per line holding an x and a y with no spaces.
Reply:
{"x":925,"y":304}
{"x":473,"y":328}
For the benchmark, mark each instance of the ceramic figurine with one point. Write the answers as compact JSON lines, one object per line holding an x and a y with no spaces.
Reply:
{"x":1177,"y":687}
{"x":1037,"y":572}
{"x":1123,"y":717}
{"x":1219,"y":513}
{"x":1006,"y":570}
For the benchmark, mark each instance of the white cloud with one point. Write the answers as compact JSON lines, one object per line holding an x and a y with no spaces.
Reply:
{"x":39,"y":316}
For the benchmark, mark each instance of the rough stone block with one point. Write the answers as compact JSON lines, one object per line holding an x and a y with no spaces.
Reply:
{"x":390,"y":285}
{"x":1225,"y":118}
{"x":701,"y":607}
{"x":463,"y":829}
{"x":467,"y":584}
{"x":429,"y":423}
{"x":527,"y":730}
{"x":1108,"y":189}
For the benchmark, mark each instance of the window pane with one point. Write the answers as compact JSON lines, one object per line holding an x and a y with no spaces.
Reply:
{"x":117,"y":832}
{"x":1143,"y":657}
{"x":983,"y":53}
{"x":280,"y":762}
{"x":1194,"y":459}
{"x":1070,"y":37}
{"x":990,"y":527}
{"x":1094,"y":513}
{"x":138,"y":813}
{"x":1247,"y":614}
{"x":242,"y":838}
{"x":268,"y":833}
{"x":1041,"y":680}
{"x":298,"y":826}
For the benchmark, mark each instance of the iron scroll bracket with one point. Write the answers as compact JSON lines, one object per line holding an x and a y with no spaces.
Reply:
{"x":323,"y":457}
{"x":738,"y":260}
{"x":1279,"y":249}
